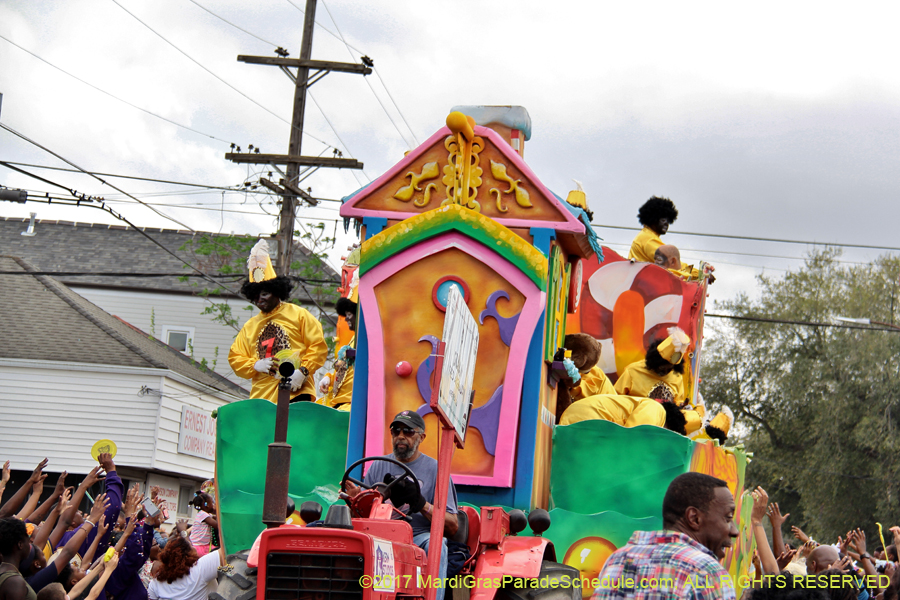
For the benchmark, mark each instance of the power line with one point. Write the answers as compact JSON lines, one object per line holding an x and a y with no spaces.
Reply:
{"x":805,"y":323}
{"x":121,"y":217}
{"x":233,"y":25}
{"x":755,"y":239}
{"x":196,"y":62}
{"x":369,"y":83}
{"x":211,"y":187}
{"x":337,"y":135}
{"x":374,"y":69}
{"x":113,"y":96}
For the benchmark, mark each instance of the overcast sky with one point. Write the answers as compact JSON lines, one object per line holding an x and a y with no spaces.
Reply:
{"x":770,"y":119}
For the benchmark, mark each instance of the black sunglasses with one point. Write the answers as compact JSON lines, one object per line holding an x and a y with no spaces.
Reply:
{"x":397,"y":430}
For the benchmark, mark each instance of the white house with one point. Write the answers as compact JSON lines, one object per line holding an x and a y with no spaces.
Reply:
{"x":72,"y":374}
{"x":166,"y":307}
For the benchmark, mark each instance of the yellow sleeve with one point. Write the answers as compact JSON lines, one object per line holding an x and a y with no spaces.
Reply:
{"x":592,"y":383}
{"x":316,"y":348}
{"x":644,"y":246}
{"x":241,"y":357}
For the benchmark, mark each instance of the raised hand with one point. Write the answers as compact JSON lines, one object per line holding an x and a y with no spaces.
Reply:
{"x":106,"y":461}
{"x":785,"y":558}
{"x":896,"y":531}
{"x":775,"y":517}
{"x":4,"y":478}
{"x":92,"y":477}
{"x":60,"y":484}
{"x":843,"y":564}
{"x":760,"y":502}
{"x":112,"y":563}
{"x":799,"y":534}
{"x":102,"y":527}
{"x":37,"y":474}
{"x":857,"y":538}
{"x":100,"y":506}
{"x":807,"y":548}
{"x":64,"y":500}
{"x":133,"y":500}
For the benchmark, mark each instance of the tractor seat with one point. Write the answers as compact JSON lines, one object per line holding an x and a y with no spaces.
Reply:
{"x":462,"y":534}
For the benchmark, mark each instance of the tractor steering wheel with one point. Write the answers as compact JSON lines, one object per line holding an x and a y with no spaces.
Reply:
{"x":385,"y":490}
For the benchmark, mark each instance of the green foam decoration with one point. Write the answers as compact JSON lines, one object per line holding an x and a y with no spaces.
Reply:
{"x":318,"y":438}
{"x":599,"y":466}
{"x":567,"y":528}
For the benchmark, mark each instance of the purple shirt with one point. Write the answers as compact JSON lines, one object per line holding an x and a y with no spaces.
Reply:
{"x":115,"y":491}
{"x":125,"y":582}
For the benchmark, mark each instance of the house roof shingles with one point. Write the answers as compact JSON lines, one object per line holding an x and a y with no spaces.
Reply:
{"x":64,"y":246}
{"x":42,"y":318}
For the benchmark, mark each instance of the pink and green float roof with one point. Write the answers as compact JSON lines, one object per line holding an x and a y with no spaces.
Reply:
{"x":455,"y":217}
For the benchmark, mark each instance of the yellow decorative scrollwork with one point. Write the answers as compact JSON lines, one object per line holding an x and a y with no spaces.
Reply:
{"x":462,"y":175}
{"x":428,"y":189}
{"x":405,"y":194}
{"x":498,"y":170}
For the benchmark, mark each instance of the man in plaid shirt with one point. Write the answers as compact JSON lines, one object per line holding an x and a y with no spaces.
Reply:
{"x":682,"y":561}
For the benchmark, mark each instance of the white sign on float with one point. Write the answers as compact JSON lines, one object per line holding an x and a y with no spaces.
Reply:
{"x":197,"y":436}
{"x":460,"y":351}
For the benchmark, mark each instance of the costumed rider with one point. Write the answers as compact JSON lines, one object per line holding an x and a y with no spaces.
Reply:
{"x":282,"y":331}
{"x":656,"y":215}
{"x":407,"y":432}
{"x":338,"y":386}
{"x":585,"y":378}
{"x":649,"y":392}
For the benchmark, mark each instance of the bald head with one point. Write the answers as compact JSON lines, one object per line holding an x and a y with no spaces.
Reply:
{"x":668,"y":257}
{"x":821,"y":558}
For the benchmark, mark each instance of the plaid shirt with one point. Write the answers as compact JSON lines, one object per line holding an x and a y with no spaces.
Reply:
{"x":657,"y":565}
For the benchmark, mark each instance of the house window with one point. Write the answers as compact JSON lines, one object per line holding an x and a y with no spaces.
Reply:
{"x":180,"y":338}
{"x":185,"y":494}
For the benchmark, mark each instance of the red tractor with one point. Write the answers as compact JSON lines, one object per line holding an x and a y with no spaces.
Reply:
{"x":364,"y":550}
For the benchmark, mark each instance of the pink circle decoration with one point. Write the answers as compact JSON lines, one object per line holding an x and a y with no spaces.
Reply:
{"x":403,"y":368}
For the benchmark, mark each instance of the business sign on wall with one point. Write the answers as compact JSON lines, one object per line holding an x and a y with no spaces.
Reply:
{"x":197,"y":436}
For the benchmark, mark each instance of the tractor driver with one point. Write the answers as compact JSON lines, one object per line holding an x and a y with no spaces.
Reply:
{"x":407,"y":432}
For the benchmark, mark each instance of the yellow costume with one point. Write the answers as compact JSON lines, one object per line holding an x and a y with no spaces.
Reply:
{"x":638,"y":380}
{"x":341,"y":392}
{"x":592,"y":383}
{"x":627,"y":411}
{"x":286,"y":327}
{"x":643,"y":249}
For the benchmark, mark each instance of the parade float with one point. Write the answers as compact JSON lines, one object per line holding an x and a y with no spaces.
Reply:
{"x":463,"y":210}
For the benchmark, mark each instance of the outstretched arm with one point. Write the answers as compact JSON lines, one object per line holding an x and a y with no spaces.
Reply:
{"x":777,"y":521}
{"x":766,"y":557}
{"x":9,"y":509}
{"x":36,"y":489}
{"x":44,"y":509}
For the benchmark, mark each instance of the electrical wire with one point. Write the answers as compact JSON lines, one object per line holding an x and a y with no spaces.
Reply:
{"x":199,"y":64}
{"x":337,"y":135}
{"x":240,"y":189}
{"x":233,"y":25}
{"x":369,"y":83}
{"x":113,"y":96}
{"x":755,"y":239}
{"x":120,"y":217}
{"x":374,"y":69}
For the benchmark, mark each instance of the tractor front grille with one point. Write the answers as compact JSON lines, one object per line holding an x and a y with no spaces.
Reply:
{"x":313,"y":576}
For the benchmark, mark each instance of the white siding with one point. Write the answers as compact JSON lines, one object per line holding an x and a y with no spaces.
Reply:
{"x":58,"y":414}
{"x":167,"y":458}
{"x":175,"y":311}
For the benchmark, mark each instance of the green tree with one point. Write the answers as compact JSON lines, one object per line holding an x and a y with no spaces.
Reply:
{"x":227,"y":255}
{"x":819,"y":406}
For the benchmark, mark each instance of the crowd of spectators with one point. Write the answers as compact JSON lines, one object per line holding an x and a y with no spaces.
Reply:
{"x":117,"y":550}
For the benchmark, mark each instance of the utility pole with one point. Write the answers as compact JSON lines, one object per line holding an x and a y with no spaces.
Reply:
{"x":288,"y":188}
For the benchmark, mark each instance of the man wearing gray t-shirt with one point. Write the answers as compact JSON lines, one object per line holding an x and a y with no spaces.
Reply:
{"x":407,"y":432}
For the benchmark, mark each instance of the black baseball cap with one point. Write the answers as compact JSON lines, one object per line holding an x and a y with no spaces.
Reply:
{"x":410,"y":418}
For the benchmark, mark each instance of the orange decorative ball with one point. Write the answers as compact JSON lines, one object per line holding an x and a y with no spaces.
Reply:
{"x":588,"y":555}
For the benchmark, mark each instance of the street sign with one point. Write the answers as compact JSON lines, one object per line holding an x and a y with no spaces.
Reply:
{"x":460,"y":349}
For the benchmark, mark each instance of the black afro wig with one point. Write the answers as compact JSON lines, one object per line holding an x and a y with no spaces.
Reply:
{"x":655,"y":209}
{"x":345,"y":305}
{"x":654,"y":359}
{"x":280,"y":287}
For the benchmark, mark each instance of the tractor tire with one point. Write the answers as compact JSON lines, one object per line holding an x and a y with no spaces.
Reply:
{"x":239,"y":584}
{"x":567,"y":586}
